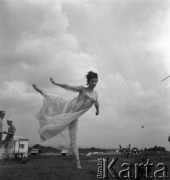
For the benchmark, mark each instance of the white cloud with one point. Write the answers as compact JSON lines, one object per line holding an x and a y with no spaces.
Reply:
{"x":16,"y":97}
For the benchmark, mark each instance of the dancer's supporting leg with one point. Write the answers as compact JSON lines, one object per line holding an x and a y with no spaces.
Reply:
{"x":73,"y":127}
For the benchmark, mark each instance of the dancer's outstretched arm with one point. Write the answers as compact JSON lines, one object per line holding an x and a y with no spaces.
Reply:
{"x":66,"y":86}
{"x":37,"y":89}
{"x":97,"y":106}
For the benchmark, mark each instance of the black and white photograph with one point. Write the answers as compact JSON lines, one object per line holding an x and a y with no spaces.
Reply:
{"x":84,"y":89}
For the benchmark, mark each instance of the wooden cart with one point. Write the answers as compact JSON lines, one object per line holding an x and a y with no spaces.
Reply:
{"x":20,"y":150}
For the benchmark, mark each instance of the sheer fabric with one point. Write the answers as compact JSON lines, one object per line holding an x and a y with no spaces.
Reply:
{"x":56,"y":117}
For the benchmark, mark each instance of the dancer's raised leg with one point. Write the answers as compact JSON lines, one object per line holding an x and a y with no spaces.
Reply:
{"x":73,"y":127}
{"x":38,"y":89}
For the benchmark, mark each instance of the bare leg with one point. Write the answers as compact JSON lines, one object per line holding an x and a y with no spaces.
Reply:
{"x":73,"y":127}
{"x":6,"y":147}
{"x":38,"y":89}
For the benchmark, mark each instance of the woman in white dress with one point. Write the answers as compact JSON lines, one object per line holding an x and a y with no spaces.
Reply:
{"x":58,"y":117}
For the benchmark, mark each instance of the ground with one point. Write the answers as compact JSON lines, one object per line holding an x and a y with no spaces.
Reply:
{"x":56,"y":167}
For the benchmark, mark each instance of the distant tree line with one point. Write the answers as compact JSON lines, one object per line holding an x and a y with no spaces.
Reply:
{"x":46,"y":149}
{"x":155,"y":148}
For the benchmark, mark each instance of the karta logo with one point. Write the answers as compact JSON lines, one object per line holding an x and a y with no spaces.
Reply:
{"x":130,"y":171}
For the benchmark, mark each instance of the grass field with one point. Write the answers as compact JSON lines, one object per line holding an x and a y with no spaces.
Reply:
{"x":55,"y":167}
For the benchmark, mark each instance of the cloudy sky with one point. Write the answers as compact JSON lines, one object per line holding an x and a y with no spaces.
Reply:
{"x":125,"y":41}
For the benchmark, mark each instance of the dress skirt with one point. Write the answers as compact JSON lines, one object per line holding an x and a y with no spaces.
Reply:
{"x":55,"y":116}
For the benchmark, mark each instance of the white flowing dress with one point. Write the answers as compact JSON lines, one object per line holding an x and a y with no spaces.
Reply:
{"x":57,"y":113}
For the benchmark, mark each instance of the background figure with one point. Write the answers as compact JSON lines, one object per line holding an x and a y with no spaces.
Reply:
{"x":2,"y":115}
{"x":9,"y":140}
{"x":58,"y":115}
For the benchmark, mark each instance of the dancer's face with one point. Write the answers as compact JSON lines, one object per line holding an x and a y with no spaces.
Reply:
{"x":93,"y":82}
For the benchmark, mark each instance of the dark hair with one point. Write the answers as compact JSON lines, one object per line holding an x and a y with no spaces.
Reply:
{"x":91,"y":75}
{"x":2,"y":112}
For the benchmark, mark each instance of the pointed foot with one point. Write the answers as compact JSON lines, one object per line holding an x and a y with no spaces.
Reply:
{"x":78,"y":166}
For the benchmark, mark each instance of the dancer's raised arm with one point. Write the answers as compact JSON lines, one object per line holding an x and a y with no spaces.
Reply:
{"x":66,"y":86}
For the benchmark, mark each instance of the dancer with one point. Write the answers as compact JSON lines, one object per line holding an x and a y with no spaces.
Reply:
{"x":2,"y":115}
{"x":58,"y":117}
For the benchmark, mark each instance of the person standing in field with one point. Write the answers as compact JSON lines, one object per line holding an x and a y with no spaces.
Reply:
{"x":2,"y":115}
{"x":58,"y":117}
{"x":9,"y":140}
